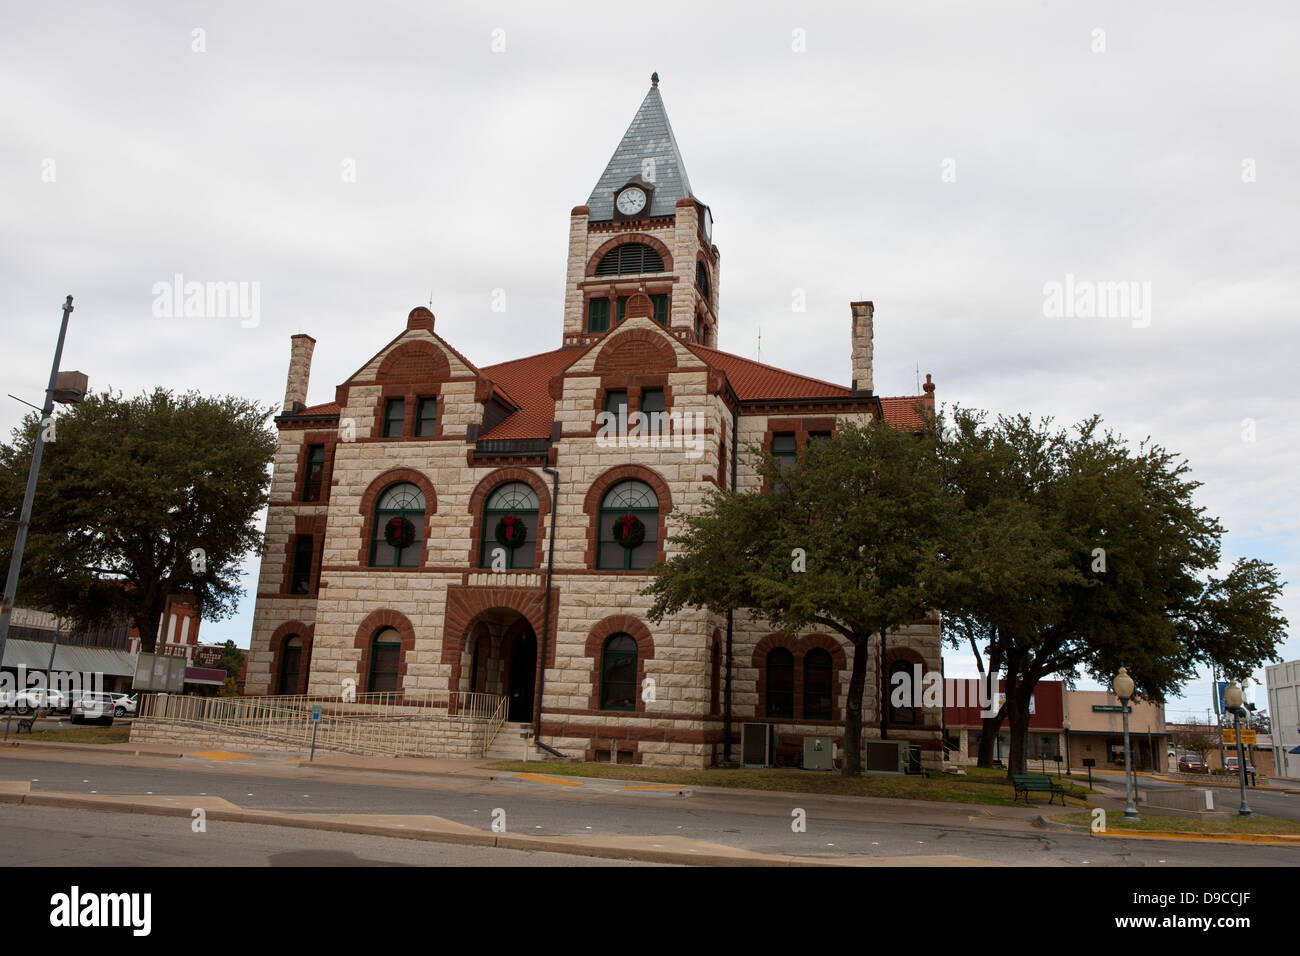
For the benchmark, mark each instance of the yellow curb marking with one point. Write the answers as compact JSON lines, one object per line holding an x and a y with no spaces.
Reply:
{"x":556,"y":780}
{"x":1284,"y":838}
{"x":220,"y":755}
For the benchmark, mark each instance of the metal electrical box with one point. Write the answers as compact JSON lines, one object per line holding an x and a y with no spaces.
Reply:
{"x":886,"y":756}
{"x":818,"y":753}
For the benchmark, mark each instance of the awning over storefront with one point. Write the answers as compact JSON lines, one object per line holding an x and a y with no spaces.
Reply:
{"x":35,"y":656}
{"x":208,"y":676}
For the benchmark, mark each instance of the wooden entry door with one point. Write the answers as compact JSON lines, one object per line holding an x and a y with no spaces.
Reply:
{"x":523,"y":676}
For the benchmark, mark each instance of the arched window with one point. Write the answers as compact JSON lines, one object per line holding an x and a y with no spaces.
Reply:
{"x":395,"y":538}
{"x":817,"y":684}
{"x":618,"y":674}
{"x":628,"y":536}
{"x":702,"y":280}
{"x":628,"y":259}
{"x":290,"y":665}
{"x":511,"y":511}
{"x":780,"y":683}
{"x":906,"y":714}
{"x":385,"y":658}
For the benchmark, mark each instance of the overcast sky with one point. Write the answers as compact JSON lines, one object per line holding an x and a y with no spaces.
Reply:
{"x":945,"y":162}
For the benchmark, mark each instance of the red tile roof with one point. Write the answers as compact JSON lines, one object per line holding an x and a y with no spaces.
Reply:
{"x":905,"y":411}
{"x":329,"y":408}
{"x":526,"y":381}
{"x":754,"y":380}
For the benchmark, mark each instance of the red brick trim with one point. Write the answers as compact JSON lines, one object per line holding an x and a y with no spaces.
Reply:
{"x":799,"y":647}
{"x":375,"y":622}
{"x":641,"y":237}
{"x":371,"y":497}
{"x":479,"y":498}
{"x":465,"y":603}
{"x":645,"y":650}
{"x":278,"y":639}
{"x":412,"y":371}
{"x":591,"y":505}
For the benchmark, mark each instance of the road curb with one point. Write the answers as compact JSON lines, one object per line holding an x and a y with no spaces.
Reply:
{"x":504,"y":841}
{"x":56,"y":747}
{"x":1281,"y":839}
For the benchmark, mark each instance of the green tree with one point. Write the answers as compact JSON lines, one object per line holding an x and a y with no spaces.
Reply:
{"x":138,"y":498}
{"x":864,"y":513}
{"x":232,"y":659}
{"x":1079,"y":553}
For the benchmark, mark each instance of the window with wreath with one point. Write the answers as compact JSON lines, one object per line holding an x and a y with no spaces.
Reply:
{"x":780,"y":683}
{"x":817,"y":684}
{"x":509,"y":527}
{"x":385,"y":660}
{"x":399,"y":522}
{"x":905,"y":689}
{"x":628,"y":535}
{"x":618,"y":673}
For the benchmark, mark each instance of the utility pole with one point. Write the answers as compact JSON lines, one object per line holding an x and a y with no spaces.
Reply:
{"x":25,"y":517}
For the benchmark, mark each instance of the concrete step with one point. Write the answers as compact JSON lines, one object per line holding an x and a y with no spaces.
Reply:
{"x":508,"y":745}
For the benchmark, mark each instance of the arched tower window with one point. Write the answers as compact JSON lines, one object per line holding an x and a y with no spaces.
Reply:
{"x":629,"y":510}
{"x":396,"y":535}
{"x":629,"y":259}
{"x":618,"y":674}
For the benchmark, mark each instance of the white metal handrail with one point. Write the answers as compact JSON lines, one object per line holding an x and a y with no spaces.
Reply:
{"x":495,"y":724}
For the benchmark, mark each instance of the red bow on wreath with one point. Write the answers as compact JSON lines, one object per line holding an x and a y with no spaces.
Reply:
{"x":395,"y":527}
{"x":628,"y":522}
{"x":509,"y":521}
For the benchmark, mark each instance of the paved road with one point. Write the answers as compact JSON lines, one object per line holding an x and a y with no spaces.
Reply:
{"x":763,"y":824}
{"x":50,"y":836}
{"x":1269,"y":803}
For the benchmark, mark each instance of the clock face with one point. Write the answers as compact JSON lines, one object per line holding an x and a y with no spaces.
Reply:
{"x":631,"y":201}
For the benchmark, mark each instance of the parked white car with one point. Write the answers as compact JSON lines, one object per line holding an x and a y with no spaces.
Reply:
{"x":88,"y":705}
{"x":37,"y":698}
{"x":124,"y":706}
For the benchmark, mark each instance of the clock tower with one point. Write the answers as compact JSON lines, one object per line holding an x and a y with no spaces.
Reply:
{"x":643,"y":230}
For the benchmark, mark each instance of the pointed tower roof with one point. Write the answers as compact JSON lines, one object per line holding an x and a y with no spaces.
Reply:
{"x":648,"y":137}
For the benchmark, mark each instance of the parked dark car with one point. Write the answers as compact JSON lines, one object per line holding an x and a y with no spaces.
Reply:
{"x":1189,"y":764}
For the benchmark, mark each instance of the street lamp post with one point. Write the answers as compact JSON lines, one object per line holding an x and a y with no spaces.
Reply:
{"x":1232,"y":696}
{"x":1122,"y":685}
{"x":52,"y":394}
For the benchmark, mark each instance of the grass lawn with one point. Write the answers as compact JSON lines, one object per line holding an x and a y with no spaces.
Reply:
{"x":976,"y":786}
{"x":1229,"y":827}
{"x":81,"y":735}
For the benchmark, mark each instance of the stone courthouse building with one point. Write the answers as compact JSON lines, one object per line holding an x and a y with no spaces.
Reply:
{"x":445,"y":528}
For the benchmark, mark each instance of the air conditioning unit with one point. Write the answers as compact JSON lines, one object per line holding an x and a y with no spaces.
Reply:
{"x":818,"y":753}
{"x":886,"y":756}
{"x":757,"y":745}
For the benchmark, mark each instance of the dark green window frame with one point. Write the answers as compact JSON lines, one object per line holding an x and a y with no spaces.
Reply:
{"x":303,"y":552}
{"x":393,"y":647}
{"x":315,"y":476}
{"x":426,"y":421}
{"x":653,"y":400}
{"x":523,"y":506}
{"x":779,"y":667}
{"x":785,"y":449}
{"x":394,"y":417}
{"x":618,"y":673}
{"x":818,"y":686}
{"x":612,"y":556}
{"x":598,"y":315}
{"x":903,"y":716}
{"x":660,"y":303}
{"x":408,"y":557}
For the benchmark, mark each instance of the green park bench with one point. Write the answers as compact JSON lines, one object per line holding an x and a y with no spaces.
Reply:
{"x":1028,"y":783}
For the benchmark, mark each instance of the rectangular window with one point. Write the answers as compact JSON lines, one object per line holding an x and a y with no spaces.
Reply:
{"x":816,"y":437}
{"x":598,"y":315}
{"x":652,"y":403}
{"x":785,"y":449}
{"x":660,"y":308}
{"x":616,"y":402}
{"x":622,"y":308}
{"x":300,"y":579}
{"x":311,"y":485}
{"x":394,"y":417}
{"x":427,"y":422}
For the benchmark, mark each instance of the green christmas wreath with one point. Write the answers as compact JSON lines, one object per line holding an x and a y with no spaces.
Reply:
{"x":399,"y":532}
{"x":628,"y":531}
{"x":511,"y":532}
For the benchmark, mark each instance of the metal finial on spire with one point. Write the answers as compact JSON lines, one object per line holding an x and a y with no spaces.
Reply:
{"x":654,"y":79}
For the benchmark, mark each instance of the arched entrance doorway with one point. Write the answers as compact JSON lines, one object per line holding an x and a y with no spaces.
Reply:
{"x":502,"y":660}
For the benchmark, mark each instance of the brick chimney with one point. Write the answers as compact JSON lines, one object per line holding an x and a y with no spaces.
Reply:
{"x":862,"y":347}
{"x":295,"y":386}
